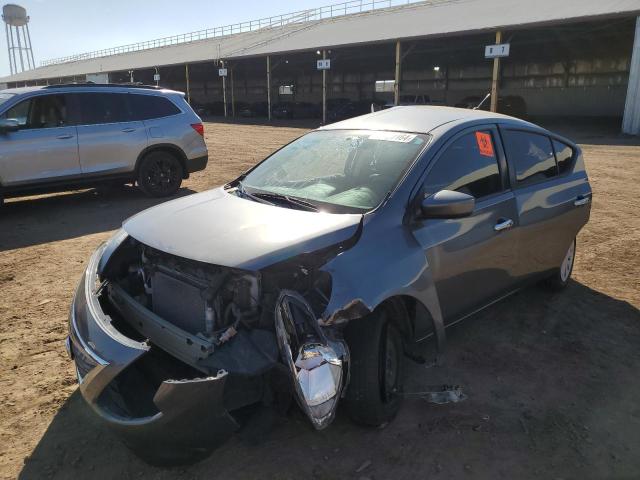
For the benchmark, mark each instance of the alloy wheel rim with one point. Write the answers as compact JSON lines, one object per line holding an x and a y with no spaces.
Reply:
{"x":162,"y":175}
{"x":567,"y":263}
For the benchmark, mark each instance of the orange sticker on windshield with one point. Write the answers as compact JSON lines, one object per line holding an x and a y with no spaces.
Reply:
{"x":484,"y":144}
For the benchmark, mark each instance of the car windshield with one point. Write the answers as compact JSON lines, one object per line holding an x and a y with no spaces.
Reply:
{"x":337,"y":170}
{"x":5,"y":97}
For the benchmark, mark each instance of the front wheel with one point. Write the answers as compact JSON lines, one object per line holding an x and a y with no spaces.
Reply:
{"x":560,"y":278}
{"x":374,"y":393}
{"x":160,"y":174}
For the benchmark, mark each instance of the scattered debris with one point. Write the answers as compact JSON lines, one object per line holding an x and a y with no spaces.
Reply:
{"x":364,"y":465}
{"x":228,"y":334}
{"x":440,"y":394}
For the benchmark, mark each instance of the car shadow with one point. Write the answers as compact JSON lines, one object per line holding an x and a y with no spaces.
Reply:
{"x":42,"y":219}
{"x":534,"y":368}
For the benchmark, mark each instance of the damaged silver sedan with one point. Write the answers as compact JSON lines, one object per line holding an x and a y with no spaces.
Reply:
{"x":316,"y":273}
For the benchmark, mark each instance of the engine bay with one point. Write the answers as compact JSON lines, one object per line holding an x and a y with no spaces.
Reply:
{"x":247,"y":324}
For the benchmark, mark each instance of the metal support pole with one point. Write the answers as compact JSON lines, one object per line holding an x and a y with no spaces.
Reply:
{"x":631,"y":117}
{"x":269,"y":85}
{"x":186,"y":76}
{"x":224,"y":91}
{"x":396,"y":85}
{"x":233,"y":95}
{"x":30,"y":47}
{"x":20,"y":48}
{"x":496,"y":75}
{"x":22,"y":31}
{"x":9,"y":48}
{"x":324,"y":90}
{"x":13,"y":50}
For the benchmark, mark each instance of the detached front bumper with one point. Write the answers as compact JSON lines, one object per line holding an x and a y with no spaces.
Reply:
{"x":186,"y":415}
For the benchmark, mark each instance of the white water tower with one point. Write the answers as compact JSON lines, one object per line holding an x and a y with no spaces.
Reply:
{"x":16,"y":24}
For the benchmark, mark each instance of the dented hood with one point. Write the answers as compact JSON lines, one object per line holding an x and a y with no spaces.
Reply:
{"x":222,"y":229}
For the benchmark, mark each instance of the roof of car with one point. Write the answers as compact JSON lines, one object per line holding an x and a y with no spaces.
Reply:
{"x":416,"y":119}
{"x":85,"y":86}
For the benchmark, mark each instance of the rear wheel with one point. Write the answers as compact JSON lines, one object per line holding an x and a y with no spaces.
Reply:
{"x":160,"y":174}
{"x":560,"y":278}
{"x":376,"y":370}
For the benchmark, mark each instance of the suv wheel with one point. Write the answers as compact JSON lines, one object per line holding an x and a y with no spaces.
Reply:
{"x":376,"y":371}
{"x":160,"y":174}
{"x":560,"y":278}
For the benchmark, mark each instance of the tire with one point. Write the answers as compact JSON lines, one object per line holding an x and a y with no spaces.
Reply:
{"x":374,"y":393}
{"x":560,"y":278}
{"x":160,"y":174}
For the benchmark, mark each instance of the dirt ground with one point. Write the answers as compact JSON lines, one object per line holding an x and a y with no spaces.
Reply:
{"x":552,"y":380}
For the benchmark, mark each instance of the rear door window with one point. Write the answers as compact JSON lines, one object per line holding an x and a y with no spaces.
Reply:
{"x":564,"y":156}
{"x":532,"y":156}
{"x":99,"y":108}
{"x":146,"y":107}
{"x":469,"y":165}
{"x":42,"y":111}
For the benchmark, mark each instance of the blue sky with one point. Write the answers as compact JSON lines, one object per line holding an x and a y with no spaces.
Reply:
{"x":64,"y":27}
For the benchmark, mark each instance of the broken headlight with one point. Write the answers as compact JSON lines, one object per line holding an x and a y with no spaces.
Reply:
{"x":315,"y":363}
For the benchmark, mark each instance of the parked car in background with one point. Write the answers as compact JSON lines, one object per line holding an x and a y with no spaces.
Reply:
{"x":290,"y":110}
{"x":306,"y":110}
{"x":255,"y":109}
{"x":309,"y":276}
{"x":350,"y":109}
{"x":282,"y":110}
{"x":413,"y":99}
{"x":513,"y":105}
{"x":64,"y":136}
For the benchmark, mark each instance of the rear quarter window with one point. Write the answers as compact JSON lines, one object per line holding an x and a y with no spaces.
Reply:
{"x":564,"y":156}
{"x":532,"y":156}
{"x":146,"y":107}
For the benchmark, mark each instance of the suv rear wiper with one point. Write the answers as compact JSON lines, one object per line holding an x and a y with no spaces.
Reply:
{"x":290,"y":200}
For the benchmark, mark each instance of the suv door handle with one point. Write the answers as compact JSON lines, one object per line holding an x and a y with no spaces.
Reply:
{"x":582,"y":200}
{"x":64,"y":137}
{"x":128,"y":130}
{"x":503,"y":225}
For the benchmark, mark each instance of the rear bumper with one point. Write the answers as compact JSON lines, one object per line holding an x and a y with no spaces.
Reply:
{"x":189,"y":415}
{"x":197,"y":164}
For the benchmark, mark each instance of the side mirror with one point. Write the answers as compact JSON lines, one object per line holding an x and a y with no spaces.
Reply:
{"x":447,"y":204}
{"x":9,"y":125}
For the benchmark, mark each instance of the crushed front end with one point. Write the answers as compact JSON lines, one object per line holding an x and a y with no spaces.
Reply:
{"x":170,"y":351}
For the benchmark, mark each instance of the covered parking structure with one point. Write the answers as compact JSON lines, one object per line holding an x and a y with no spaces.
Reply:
{"x":576,"y":58}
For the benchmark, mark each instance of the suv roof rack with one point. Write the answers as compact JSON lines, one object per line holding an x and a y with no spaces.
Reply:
{"x":104,"y":85}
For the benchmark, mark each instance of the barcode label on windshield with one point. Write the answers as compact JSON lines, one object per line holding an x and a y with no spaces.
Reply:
{"x":393,"y":137}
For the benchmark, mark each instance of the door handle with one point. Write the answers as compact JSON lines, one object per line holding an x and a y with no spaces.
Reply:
{"x":64,"y":137}
{"x":582,"y":200}
{"x":128,"y":130}
{"x":503,"y":225}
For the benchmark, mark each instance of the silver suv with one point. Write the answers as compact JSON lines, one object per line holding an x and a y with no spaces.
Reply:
{"x":64,"y":136}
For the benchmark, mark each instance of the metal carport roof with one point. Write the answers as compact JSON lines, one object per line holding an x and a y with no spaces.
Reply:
{"x":417,"y":20}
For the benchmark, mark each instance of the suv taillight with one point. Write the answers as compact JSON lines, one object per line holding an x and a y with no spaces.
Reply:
{"x":198,"y":127}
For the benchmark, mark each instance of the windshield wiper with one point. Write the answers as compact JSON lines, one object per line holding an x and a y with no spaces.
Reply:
{"x":290,"y":200}
{"x":252,"y":196}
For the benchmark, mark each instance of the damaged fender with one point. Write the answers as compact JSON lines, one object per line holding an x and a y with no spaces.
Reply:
{"x":364,"y":276}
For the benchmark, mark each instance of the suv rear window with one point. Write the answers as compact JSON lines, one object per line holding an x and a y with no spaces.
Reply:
{"x":469,"y":165}
{"x":146,"y":107}
{"x":97,"y":108}
{"x":531,"y":154}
